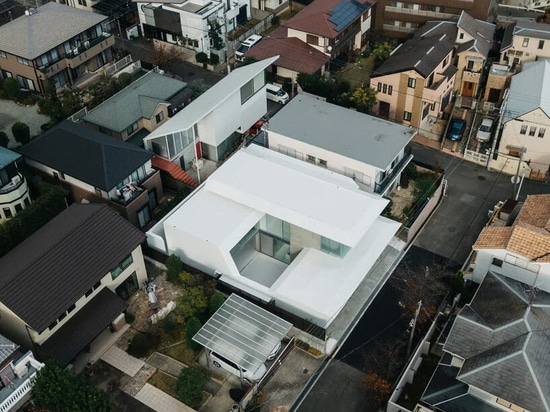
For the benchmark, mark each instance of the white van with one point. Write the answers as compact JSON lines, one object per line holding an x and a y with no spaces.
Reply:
{"x":246,"y":46}
{"x":248,"y":377}
{"x":276,"y":94}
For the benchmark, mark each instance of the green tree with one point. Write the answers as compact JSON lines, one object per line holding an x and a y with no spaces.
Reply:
{"x":124,"y":79}
{"x":4,"y":139}
{"x":216,"y":300}
{"x":192,"y":327}
{"x":55,"y":389}
{"x":382,"y":51}
{"x":174,"y":266}
{"x":190,"y":384}
{"x":193,"y":301}
{"x":198,"y":86}
{"x":10,"y":87}
{"x":363,"y":98}
{"x":215,"y":34}
{"x":21,"y":132}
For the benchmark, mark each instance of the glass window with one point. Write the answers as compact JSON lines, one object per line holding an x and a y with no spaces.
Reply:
{"x":379,"y":86}
{"x":310,"y":158}
{"x":128,"y":260}
{"x":152,"y":199}
{"x":333,"y":248}
{"x":523,"y":129}
{"x":144,"y":216}
{"x":159,"y":117}
{"x":532,"y":130}
{"x":385,"y":88}
{"x":247,"y":91}
{"x":18,"y":207}
{"x":390,"y":89}
{"x":526,"y":42}
{"x":542,"y":130}
{"x":412,"y":82}
{"x":541,"y":44}
{"x":7,"y":212}
{"x":407,"y":116}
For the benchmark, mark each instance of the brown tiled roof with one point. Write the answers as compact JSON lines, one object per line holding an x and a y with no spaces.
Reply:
{"x":535,"y":211}
{"x":293,"y":53}
{"x":493,"y":238}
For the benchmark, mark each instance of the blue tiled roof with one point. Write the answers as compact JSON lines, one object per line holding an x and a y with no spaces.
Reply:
{"x":7,"y":156}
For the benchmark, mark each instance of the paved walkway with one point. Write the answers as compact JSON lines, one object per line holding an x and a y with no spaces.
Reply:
{"x":122,"y":361}
{"x":166,"y":364}
{"x":160,"y":401}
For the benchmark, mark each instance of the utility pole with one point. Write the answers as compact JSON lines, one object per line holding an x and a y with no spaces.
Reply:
{"x":516,"y":177}
{"x":497,"y":133}
{"x":412,"y":329}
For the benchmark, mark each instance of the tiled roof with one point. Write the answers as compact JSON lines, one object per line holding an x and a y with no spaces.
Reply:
{"x":319,"y":16}
{"x":529,"y":236}
{"x":293,"y":53}
{"x":87,"y":155}
{"x":47,"y":273}
{"x":51,"y":25}
{"x":481,"y":31}
{"x":7,"y":157}
{"x":506,"y":353}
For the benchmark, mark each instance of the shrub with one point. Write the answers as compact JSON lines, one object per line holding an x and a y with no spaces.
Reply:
{"x":424,"y":187}
{"x":4,"y":139}
{"x":190,"y":385}
{"x":169,"y":325}
{"x":410,"y":173}
{"x":142,"y":344}
{"x":10,"y":87}
{"x":174,"y":266}
{"x":192,"y":327}
{"x":214,"y":59}
{"x":129,"y":317}
{"x":193,"y":301}
{"x":21,"y":132}
{"x":275,"y":20}
{"x":216,"y":300}
{"x":201,"y":57}
{"x":125,"y":79}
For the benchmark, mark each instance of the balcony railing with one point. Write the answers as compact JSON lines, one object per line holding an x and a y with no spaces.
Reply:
{"x":415,"y":12}
{"x":390,"y":178}
{"x":14,"y":184}
{"x":19,"y":387}
{"x":87,"y":45}
{"x":127,"y":193}
{"x":392,"y":27}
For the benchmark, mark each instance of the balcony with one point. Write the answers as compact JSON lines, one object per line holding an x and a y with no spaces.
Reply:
{"x":392,"y":27}
{"x":88,"y":45}
{"x":382,"y":187}
{"x":126,"y":194}
{"x":13,"y":191}
{"x":422,"y":13}
{"x":20,"y":387}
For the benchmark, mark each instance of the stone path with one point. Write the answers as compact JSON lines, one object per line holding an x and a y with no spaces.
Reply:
{"x":160,"y":401}
{"x":122,"y":361}
{"x":166,"y":364}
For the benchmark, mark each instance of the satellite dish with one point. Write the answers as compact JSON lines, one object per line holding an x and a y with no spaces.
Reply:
{"x":515,"y":179}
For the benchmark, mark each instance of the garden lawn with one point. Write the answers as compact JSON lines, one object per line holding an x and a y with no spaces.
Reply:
{"x":164,"y":382}
{"x":357,"y":74}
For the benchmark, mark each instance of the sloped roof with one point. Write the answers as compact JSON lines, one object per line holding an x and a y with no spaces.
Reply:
{"x":424,"y":52}
{"x":481,"y":31}
{"x":52,"y":24}
{"x":7,"y":156}
{"x":90,"y":156}
{"x":528,"y":236}
{"x":47,"y":273}
{"x":529,"y":29}
{"x":529,"y":90}
{"x":327,"y":18}
{"x":506,"y":357}
{"x":293,"y":54}
{"x":138,"y":100}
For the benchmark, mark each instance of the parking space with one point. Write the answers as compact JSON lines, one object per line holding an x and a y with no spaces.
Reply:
{"x":458,"y":113}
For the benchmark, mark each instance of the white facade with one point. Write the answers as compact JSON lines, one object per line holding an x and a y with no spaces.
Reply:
{"x":18,"y":391}
{"x":14,"y":197}
{"x":215,"y":120}
{"x":280,"y":229}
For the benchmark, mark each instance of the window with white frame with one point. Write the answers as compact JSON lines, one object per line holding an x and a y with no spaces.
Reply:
{"x":542,"y":131}
{"x":526,"y":42}
{"x":523,"y":129}
{"x":532,"y":130}
{"x":412,"y":82}
{"x":407,"y":116}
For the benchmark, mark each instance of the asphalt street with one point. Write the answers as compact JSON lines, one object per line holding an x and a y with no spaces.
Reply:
{"x":448,"y":237}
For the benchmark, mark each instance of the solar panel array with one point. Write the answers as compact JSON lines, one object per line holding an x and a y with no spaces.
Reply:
{"x":345,"y":12}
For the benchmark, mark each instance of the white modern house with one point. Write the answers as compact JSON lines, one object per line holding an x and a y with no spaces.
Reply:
{"x":519,"y":250}
{"x":190,"y":22}
{"x":287,"y":232}
{"x":215,"y":122}
{"x":14,"y":191}
{"x":526,"y":118}
{"x":370,"y":150}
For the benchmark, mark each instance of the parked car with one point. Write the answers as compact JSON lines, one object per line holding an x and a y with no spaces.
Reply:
{"x":246,"y":46}
{"x":276,"y":94}
{"x":484,"y":131}
{"x":248,"y":377}
{"x":456,"y":129}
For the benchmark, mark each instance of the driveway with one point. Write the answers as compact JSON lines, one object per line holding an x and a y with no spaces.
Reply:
{"x":11,"y":112}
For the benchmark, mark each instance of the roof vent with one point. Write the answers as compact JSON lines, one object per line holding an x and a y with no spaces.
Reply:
{"x":30,"y":11}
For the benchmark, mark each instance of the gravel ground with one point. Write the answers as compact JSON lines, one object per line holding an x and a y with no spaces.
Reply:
{"x":10,"y":112}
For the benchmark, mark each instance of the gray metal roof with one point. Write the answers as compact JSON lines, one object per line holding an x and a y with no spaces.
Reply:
{"x":529,"y":90}
{"x":7,"y":157}
{"x":424,"y":52}
{"x":346,"y":132}
{"x":7,"y":347}
{"x":481,"y":31}
{"x":242,"y":332}
{"x":504,"y":337}
{"x":136,"y":101}
{"x":52,"y":24}
{"x":52,"y":269}
{"x":536,"y":30}
{"x":83,"y":153}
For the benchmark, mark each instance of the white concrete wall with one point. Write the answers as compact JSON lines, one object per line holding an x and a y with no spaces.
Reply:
{"x":13,"y":328}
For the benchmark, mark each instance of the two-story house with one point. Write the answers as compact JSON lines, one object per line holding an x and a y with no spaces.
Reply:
{"x":415,"y":83}
{"x":284,"y":231}
{"x":524,"y":42}
{"x":54,"y":43}
{"x":335,"y":27}
{"x":70,"y":280}
{"x":474,"y":40}
{"x":95,"y":167}
{"x":17,"y":371}
{"x":139,"y":108}
{"x":372,"y":151}
{"x":401,"y":19}
{"x":214,"y":123}
{"x":526,"y":118}
{"x":14,"y":191}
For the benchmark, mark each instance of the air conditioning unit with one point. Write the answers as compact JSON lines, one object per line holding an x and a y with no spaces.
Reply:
{"x":87,"y":44}
{"x":75,"y":51}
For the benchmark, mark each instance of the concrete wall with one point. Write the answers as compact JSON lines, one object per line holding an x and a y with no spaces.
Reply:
{"x":425,"y":214}
{"x":301,"y":238}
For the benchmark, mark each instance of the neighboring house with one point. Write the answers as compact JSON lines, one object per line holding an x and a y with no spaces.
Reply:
{"x":54,"y":43}
{"x":17,"y":371}
{"x":295,"y":57}
{"x":86,"y":5}
{"x":415,"y":83}
{"x":474,"y":40}
{"x":214,"y":123}
{"x":70,"y":280}
{"x":371,"y":151}
{"x":520,"y":249}
{"x":527,"y":5}
{"x":524,"y":42}
{"x":401,"y":19}
{"x":282,"y":230}
{"x":526,"y":118}
{"x":495,"y":356}
{"x":139,"y":108}
{"x":191,"y":22}
{"x":498,"y":79}
{"x":274,"y":6}
{"x":14,"y":191}
{"x":97,"y":168}
{"x":334,"y":27}
{"x":6,"y":9}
